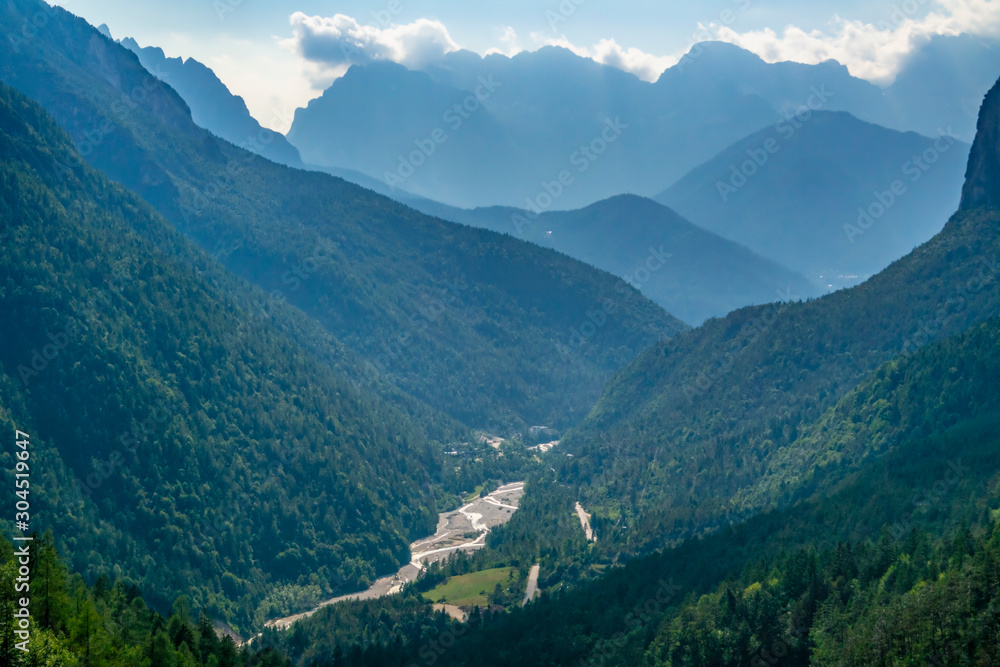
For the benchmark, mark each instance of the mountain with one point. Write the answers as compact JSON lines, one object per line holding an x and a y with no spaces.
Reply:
{"x":870,"y":528}
{"x":212,"y":106}
{"x":692,"y":273}
{"x":787,"y":87}
{"x":910,"y":526}
{"x":180,"y":437}
{"x":539,"y":114}
{"x":830,"y":196}
{"x":216,"y":109}
{"x":942,"y":83}
{"x":681,"y":436}
{"x":938,"y":89}
{"x":385,"y":135}
{"x":466,"y":321}
{"x":106,"y":623}
{"x":536,"y":115}
{"x":982,"y":184}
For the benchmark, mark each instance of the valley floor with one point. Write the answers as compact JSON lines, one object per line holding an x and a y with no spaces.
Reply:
{"x":464,"y":529}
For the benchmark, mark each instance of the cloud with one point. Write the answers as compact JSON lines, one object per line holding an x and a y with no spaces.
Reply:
{"x":608,"y":52}
{"x":873,"y":51}
{"x":644,"y":65}
{"x":340,"y":41}
{"x":508,"y":37}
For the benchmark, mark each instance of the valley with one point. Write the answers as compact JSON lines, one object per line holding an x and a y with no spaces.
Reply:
{"x":642,"y":362}
{"x":463,"y":530}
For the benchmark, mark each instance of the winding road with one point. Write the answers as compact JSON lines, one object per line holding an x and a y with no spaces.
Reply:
{"x":585,"y":522}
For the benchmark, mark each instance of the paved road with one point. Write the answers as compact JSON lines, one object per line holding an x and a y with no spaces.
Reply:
{"x":532,"y":590}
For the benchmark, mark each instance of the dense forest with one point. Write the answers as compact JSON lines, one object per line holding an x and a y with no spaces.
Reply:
{"x":189,"y":441}
{"x":250,"y":387}
{"x":900,"y":515}
{"x":681,"y":437}
{"x":922,"y":600}
{"x":107,"y":624}
{"x":693,"y":273}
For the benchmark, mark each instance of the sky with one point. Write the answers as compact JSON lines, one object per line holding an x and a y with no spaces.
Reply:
{"x":278,"y":55}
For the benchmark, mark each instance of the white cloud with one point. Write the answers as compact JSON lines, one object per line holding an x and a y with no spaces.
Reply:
{"x":508,"y":37}
{"x":873,"y":51}
{"x":608,"y":52}
{"x":340,"y":40}
{"x":327,"y":46}
{"x":644,"y":65}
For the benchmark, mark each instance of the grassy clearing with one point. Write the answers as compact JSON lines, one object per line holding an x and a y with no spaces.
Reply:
{"x":471,"y":589}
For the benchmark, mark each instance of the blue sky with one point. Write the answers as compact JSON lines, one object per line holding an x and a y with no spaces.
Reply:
{"x":277,"y":55}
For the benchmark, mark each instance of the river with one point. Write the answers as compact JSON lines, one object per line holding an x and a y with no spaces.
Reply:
{"x":464,"y":529}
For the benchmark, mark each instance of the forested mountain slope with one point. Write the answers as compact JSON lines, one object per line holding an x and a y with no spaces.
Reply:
{"x":693,"y":273}
{"x":213,"y":106}
{"x":904,"y":518}
{"x":692,"y":423}
{"x":468,"y":321}
{"x":180,"y":437}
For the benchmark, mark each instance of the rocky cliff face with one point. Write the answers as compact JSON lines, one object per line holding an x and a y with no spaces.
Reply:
{"x":982,"y":178}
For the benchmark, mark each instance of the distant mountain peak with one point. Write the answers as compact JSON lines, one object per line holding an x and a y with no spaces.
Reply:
{"x":713,"y":55}
{"x":213,"y":106}
{"x":716,"y":48}
{"x":982,"y":178}
{"x":105,"y":30}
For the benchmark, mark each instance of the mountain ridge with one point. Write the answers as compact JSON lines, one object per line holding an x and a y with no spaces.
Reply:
{"x":385,"y":292}
{"x":718,"y":93}
{"x":694,"y":422}
{"x":188,"y":442}
{"x":689,"y":271}
{"x":213,"y":106}
{"x":982,"y":186}
{"x":826,"y":194}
